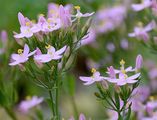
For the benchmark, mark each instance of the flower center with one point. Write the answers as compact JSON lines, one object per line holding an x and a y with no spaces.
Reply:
{"x":20,"y":51}
{"x":93,"y":70}
{"x":48,"y":46}
{"x":77,"y":7}
{"x":28,"y":23}
{"x":28,"y":98}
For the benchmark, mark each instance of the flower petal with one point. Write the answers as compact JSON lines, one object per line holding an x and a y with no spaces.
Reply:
{"x":60,"y":51}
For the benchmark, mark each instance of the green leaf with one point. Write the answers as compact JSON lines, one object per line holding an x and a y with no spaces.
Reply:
{"x":117,"y":100}
{"x":3,"y":99}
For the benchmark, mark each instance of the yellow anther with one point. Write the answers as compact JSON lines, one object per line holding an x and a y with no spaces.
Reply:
{"x":140,"y":24}
{"x":41,"y":15}
{"x":52,"y":11}
{"x":20,"y":51}
{"x":125,"y":76}
{"x":28,"y":23}
{"x":48,"y":46}
{"x":123,"y":71}
{"x":152,"y":98}
{"x":49,"y":20}
{"x":77,"y":7}
{"x":122,"y":62}
{"x":93,"y":70}
{"x":28,"y":98}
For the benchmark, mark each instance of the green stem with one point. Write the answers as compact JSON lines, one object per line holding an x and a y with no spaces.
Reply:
{"x":119,"y":116}
{"x":74,"y":107}
{"x":50,"y":94}
{"x":10,"y":113}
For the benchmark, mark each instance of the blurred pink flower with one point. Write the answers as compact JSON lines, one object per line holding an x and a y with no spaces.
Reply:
{"x":142,"y":32}
{"x":143,"y":5}
{"x":112,"y":115}
{"x":96,"y":77}
{"x":151,"y":106}
{"x":26,"y":105}
{"x":109,"y":19}
{"x":53,"y":10}
{"x":3,"y":41}
{"x":124,"y":44}
{"x":110,"y":47}
{"x":52,"y":54}
{"x":22,"y":56}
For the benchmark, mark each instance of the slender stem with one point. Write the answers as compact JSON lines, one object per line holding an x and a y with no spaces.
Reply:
{"x":74,"y":106}
{"x":50,"y":94}
{"x":10,"y":113}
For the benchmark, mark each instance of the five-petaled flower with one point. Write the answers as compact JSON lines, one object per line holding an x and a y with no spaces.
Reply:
{"x":142,"y":32}
{"x":52,"y":54}
{"x":94,"y":78}
{"x":22,"y":56}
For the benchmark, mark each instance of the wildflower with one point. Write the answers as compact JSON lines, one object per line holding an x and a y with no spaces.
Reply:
{"x":81,"y":117}
{"x":26,"y":105}
{"x":143,"y":5}
{"x":142,"y":32}
{"x":124,"y":44}
{"x":25,"y":28}
{"x":94,"y":78}
{"x":53,"y":10}
{"x":79,"y":14}
{"x":52,"y":54}
{"x":65,"y":16}
{"x":110,"y":47}
{"x":123,"y":78}
{"x":109,"y":19}
{"x":22,"y":56}
{"x":38,"y":63}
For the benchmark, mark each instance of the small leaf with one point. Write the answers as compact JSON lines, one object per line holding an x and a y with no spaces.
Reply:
{"x":129,"y":112}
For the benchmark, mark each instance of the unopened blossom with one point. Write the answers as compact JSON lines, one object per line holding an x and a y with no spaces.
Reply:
{"x":139,"y":61}
{"x":96,"y":77}
{"x":22,"y":56}
{"x":142,"y":32}
{"x":38,"y":63}
{"x":52,"y":54}
{"x":25,"y":29}
{"x":79,"y":14}
{"x":3,"y":41}
{"x":26,"y":105}
{"x":81,"y":117}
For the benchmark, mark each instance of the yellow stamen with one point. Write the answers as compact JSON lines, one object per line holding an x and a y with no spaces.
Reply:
{"x":41,"y":15}
{"x":28,"y":98}
{"x":19,"y":51}
{"x":49,"y":20}
{"x":52,"y":11}
{"x":140,"y":24}
{"x":48,"y":46}
{"x":152,"y":98}
{"x":93,"y":70}
{"x":28,"y":23}
{"x":123,"y":71}
{"x":122,"y":62}
{"x":77,"y":7}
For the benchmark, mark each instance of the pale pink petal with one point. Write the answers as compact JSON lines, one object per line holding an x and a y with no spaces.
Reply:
{"x":14,"y":63}
{"x":60,"y":51}
{"x":87,"y":14}
{"x":32,"y":53}
{"x":86,"y":79}
{"x":15,"y":56}
{"x":131,"y":81}
{"x":57,"y":57}
{"x":150,"y":26}
{"x":26,"y":50}
{"x":121,"y":82}
{"x":131,"y":34}
{"x":133,"y":77}
{"x":21,"y":35}
{"x":51,"y":50}
{"x":21,"y":19}
{"x":82,"y":117}
{"x":137,"y":7}
{"x":89,"y":82}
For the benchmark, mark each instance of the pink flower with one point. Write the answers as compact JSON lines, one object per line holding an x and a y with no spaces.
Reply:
{"x":53,"y":10}
{"x":22,"y":56}
{"x":37,"y":62}
{"x":52,"y":54}
{"x":110,"y":47}
{"x":143,"y":5}
{"x":142,"y":33}
{"x":65,"y":16}
{"x":124,"y":44}
{"x":79,"y":14}
{"x":25,"y":28}
{"x":26,"y":105}
{"x":139,"y":61}
{"x":94,"y":78}
{"x":109,"y":19}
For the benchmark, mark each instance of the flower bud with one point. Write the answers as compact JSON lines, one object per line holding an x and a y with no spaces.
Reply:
{"x":117,"y":88}
{"x":139,"y":61}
